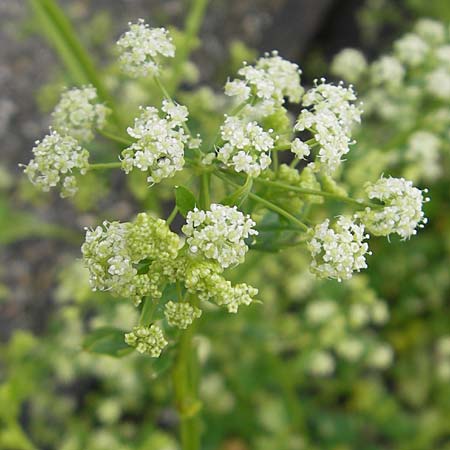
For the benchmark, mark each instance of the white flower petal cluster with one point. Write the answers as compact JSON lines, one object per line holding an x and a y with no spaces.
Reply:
{"x":349,"y":64}
{"x":431,"y":31}
{"x":330,"y":118}
{"x":219,"y":234}
{"x":159,"y":148}
{"x":338,"y":251}
{"x":78,"y":114}
{"x":142,"y":48}
{"x":402,"y":212}
{"x":438,"y":83}
{"x":247,"y":146}
{"x":387,"y":70}
{"x":321,"y":363}
{"x":112,"y":254}
{"x":148,"y":340}
{"x":411,"y":49}
{"x":269,"y":81}
{"x":55,"y":158}
{"x":300,"y":149}
{"x":181,"y":315}
{"x":423,"y":151}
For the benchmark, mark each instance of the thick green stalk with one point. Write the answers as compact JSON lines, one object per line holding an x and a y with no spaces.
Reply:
{"x":185,"y":384}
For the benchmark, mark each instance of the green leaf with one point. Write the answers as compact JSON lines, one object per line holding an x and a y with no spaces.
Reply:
{"x":148,"y":309}
{"x":107,"y":341}
{"x":184,"y":199}
{"x":239,"y":195}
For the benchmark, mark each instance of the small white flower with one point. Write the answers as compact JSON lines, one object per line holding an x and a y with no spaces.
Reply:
{"x":431,"y":31}
{"x":142,"y":48}
{"x":338,"y":251}
{"x":438,"y":83}
{"x":55,"y":158}
{"x":219,"y":234}
{"x":423,"y":152}
{"x":387,"y":70}
{"x":77,"y":114}
{"x":160,"y":144}
{"x":246,"y":147}
{"x":300,"y":149}
{"x":321,"y":363}
{"x":349,"y":64}
{"x":330,"y":118}
{"x":402,"y":211}
{"x":411,"y":49}
{"x":269,"y":81}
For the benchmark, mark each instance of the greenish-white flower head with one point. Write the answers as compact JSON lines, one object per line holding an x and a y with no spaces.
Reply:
{"x":268,"y":82}
{"x":339,"y":250}
{"x":204,"y":279}
{"x":349,"y":64}
{"x":78,"y":113}
{"x":56,"y":159}
{"x":438,"y":83}
{"x":388,"y":71}
{"x":132,"y":259}
{"x":181,"y":314}
{"x":321,"y":363}
{"x":329,"y":115}
{"x":142,"y":49}
{"x":431,"y":31}
{"x":161,"y":139}
{"x":300,"y":149}
{"x":423,"y":152}
{"x":411,"y":49}
{"x":219,"y":234}
{"x":148,"y":340}
{"x":246,"y":146}
{"x":402,"y":211}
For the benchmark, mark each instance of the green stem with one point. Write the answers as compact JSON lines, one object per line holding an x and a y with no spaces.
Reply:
{"x":105,"y":166}
{"x":342,"y":198}
{"x":184,"y":376}
{"x":172,"y":215}
{"x":268,"y":204}
{"x":114,"y":137}
{"x":204,"y":199}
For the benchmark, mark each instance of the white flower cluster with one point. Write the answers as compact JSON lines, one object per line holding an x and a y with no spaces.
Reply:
{"x":55,"y":157}
{"x":338,"y":251}
{"x":112,"y":254}
{"x":181,"y":315}
{"x":77,"y":114}
{"x":402,"y":211}
{"x":142,"y":48}
{"x":330,"y":118}
{"x":269,"y":81}
{"x":246,"y":147}
{"x":411,"y":49}
{"x":431,"y":31}
{"x":148,"y":340}
{"x":423,"y":153}
{"x":159,"y":148}
{"x":387,"y":70}
{"x":219,"y":234}
{"x":349,"y":64}
{"x":438,"y":83}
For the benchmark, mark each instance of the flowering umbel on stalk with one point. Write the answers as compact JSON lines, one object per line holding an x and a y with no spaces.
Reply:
{"x":174,"y":278}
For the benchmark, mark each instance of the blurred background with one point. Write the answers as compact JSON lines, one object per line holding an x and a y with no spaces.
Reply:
{"x":319,"y":365}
